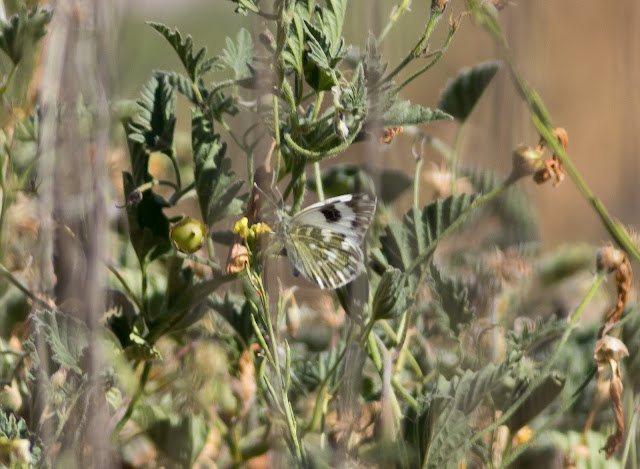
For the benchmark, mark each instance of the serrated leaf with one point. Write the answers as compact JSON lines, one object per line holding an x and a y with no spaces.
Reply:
{"x":148,"y":225}
{"x":321,"y":59}
{"x":332,"y":21}
{"x":294,"y":51}
{"x":354,"y":98}
{"x":67,"y":337}
{"x":239,"y":54}
{"x":404,"y":113}
{"x":463,"y":92}
{"x":156,"y":118}
{"x":402,"y":244}
{"x":392,"y":297}
{"x":184,"y":86}
{"x":216,"y":184}
{"x":450,"y":301}
{"x":22,"y":31}
{"x":196,"y":64}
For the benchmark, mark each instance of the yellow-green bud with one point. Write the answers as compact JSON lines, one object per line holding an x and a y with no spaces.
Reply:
{"x":188,"y":235}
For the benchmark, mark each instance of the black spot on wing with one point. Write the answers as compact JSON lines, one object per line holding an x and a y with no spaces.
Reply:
{"x":331,"y":213}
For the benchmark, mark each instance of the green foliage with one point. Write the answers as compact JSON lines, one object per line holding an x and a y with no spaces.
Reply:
{"x":239,"y":54}
{"x":22,"y":31}
{"x":545,"y":393}
{"x":392,"y":297}
{"x":216,"y":184}
{"x":450,"y":301}
{"x":13,"y":429}
{"x":156,"y":118}
{"x":417,"y":236}
{"x":462,"y":93}
{"x":66,"y":336}
{"x":195,"y":65}
{"x":404,"y":113}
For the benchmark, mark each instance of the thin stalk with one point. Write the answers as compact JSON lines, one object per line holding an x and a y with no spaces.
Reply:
{"x":134,"y":400}
{"x":20,"y":286}
{"x":435,"y":60}
{"x":542,"y":375}
{"x":276,"y":135}
{"x":318,"y":176}
{"x":125,"y":285}
{"x":542,"y":121}
{"x":416,"y":181}
{"x":7,"y":83}
{"x":419,"y":47}
{"x":399,"y":10}
{"x":454,"y":156}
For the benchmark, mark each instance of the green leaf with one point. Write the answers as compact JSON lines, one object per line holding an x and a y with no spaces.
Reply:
{"x":245,"y":6}
{"x":181,"y":440}
{"x":148,"y":225}
{"x":539,"y":399}
{"x":450,"y":301}
{"x":374,"y":67}
{"x":15,"y":428}
{"x":402,"y":244}
{"x":354,"y":97}
{"x":392,"y":297}
{"x":293,"y":53}
{"x":216,"y":184}
{"x":236,"y":310}
{"x":321,"y":59}
{"x":156,"y":121}
{"x":332,"y":22}
{"x":121,"y":321}
{"x":239,"y":54}
{"x":462,"y":93}
{"x":67,"y":337}
{"x":404,"y":113}
{"x":196,"y":64}
{"x":22,"y":31}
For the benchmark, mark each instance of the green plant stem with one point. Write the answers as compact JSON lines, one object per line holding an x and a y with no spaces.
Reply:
{"x":276,"y":135}
{"x":454,"y":156}
{"x":134,"y":400}
{"x":416,"y":181}
{"x":8,"y":81}
{"x":476,"y":204}
{"x":400,"y":9}
{"x":125,"y":285}
{"x":419,"y":47}
{"x":319,"y":155}
{"x":434,"y":61}
{"x":318,"y":176}
{"x":542,"y":121}
{"x":179,"y":194}
{"x":545,"y":370}
{"x":566,"y":404}
{"x":20,"y":286}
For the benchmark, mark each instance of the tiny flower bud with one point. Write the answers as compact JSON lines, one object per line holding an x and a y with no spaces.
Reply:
{"x":188,"y":235}
{"x":242,"y":227}
{"x":609,"y":258}
{"x":525,"y":161}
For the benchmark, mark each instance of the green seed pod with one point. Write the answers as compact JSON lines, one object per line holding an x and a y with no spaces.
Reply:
{"x":188,"y":235}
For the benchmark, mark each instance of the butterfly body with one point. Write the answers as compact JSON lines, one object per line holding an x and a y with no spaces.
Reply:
{"x":323,"y":241}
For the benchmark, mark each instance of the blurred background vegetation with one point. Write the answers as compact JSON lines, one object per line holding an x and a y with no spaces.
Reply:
{"x":581,"y":57}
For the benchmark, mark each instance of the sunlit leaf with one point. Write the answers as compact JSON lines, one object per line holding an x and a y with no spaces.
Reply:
{"x":462,"y":93}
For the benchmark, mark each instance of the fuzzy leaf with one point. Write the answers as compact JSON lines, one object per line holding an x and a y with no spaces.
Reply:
{"x":354,"y":98}
{"x":294,"y":51}
{"x":450,"y":300}
{"x":332,"y":21}
{"x":462,"y":93}
{"x":148,"y":225}
{"x":156,"y":117}
{"x":322,"y":58}
{"x":239,"y":54}
{"x":22,"y":31}
{"x":68,"y":337}
{"x":392,"y":297}
{"x":216,"y":184}
{"x":404,"y":113}
{"x":402,"y":244}
{"x":196,"y":64}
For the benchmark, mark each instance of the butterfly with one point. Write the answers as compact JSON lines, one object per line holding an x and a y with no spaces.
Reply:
{"x":323,"y":241}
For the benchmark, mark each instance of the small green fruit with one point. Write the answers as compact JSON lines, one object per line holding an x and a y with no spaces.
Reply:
{"x":188,"y":235}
